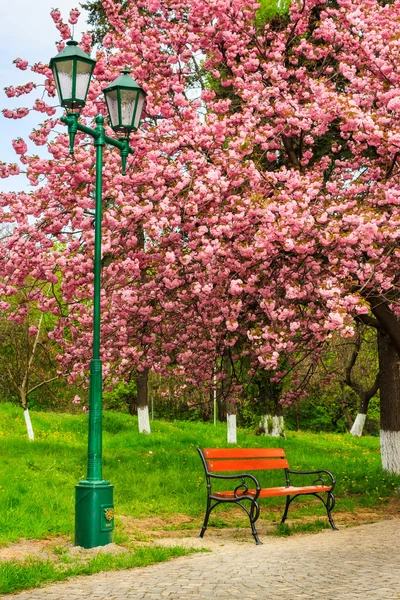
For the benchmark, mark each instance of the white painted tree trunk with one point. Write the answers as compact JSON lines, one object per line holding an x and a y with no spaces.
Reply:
{"x":358,"y":425}
{"x":231,"y":428}
{"x":28,"y":422}
{"x":143,"y":419}
{"x":390,"y":451}
{"x":273,"y":425}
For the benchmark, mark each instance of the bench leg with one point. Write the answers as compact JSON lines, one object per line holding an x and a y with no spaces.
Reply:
{"x":330,"y":503}
{"x":255,"y":534}
{"x":254,"y":514}
{"x":207,"y":516}
{"x":286,"y":509}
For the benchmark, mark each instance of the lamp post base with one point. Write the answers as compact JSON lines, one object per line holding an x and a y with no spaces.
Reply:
{"x":94,"y":513}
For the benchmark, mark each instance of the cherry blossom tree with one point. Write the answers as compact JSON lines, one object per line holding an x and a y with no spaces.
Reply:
{"x":270,"y":216}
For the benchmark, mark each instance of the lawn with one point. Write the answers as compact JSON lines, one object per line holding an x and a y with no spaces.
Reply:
{"x":160,"y":475}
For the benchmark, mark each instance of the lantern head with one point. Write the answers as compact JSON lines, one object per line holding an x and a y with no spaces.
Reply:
{"x":72,"y":69}
{"x":125,"y":101}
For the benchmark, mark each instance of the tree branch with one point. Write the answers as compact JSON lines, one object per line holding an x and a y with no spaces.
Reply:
{"x":368,"y":320}
{"x":35,"y":387}
{"x":388,"y":321}
{"x":290,"y":152}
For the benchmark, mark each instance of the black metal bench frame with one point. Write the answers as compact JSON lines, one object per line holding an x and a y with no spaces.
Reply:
{"x":241,"y":492}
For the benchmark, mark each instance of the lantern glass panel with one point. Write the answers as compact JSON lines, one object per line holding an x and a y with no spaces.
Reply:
{"x":83,"y":73}
{"x":128,"y":101}
{"x":112,"y":105}
{"x":139,"y":109}
{"x":64,"y":71}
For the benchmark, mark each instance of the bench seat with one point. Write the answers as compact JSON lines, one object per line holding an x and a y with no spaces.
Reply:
{"x":289,"y":490}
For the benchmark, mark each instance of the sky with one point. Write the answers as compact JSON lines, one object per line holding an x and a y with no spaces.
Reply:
{"x":26,"y":31}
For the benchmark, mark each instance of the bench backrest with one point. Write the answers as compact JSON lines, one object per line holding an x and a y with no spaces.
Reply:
{"x":243,"y":460}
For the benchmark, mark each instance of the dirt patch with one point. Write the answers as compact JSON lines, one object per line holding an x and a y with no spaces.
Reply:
{"x":232,"y":528}
{"x":159,"y":526}
{"x":53,"y":550}
{"x":40,"y":549}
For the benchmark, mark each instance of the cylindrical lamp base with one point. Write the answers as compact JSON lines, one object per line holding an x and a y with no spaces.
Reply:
{"x":94,"y":513}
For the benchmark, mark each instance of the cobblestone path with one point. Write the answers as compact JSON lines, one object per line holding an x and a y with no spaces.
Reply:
{"x":359,"y":562}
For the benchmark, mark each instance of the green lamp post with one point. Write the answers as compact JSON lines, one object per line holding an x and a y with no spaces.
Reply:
{"x":72,"y":69}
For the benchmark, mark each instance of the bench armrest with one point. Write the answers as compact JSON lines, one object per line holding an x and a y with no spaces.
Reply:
{"x":318,"y":481}
{"x":242,"y":487}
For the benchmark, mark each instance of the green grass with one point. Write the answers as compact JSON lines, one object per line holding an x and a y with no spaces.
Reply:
{"x":158,"y":474}
{"x":31,"y":573}
{"x":285,"y":530}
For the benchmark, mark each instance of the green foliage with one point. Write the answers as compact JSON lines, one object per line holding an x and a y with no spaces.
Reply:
{"x":159,"y":474}
{"x":169,"y":398}
{"x":249,"y":413}
{"x":97,"y":19}
{"x":373,"y":417}
{"x":321,"y":414}
{"x":270,"y":9}
{"x":325,"y":414}
{"x":121,"y":397}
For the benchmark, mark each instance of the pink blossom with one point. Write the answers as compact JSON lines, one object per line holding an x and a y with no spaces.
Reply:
{"x":19,"y":146}
{"x":13,"y":169}
{"x":55,"y":15}
{"x":19,"y":113}
{"x":241,"y":226}
{"x":74,"y":16}
{"x":42,"y":107}
{"x":21,"y":64}
{"x":236,"y":286}
{"x":3,"y":170}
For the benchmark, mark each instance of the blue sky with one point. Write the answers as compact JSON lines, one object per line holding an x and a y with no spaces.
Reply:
{"x":26,"y":31}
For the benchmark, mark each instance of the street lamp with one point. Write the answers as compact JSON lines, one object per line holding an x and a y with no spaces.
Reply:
{"x":72,"y":69}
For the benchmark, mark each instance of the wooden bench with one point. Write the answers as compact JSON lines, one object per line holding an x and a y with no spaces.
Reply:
{"x":243,"y":461}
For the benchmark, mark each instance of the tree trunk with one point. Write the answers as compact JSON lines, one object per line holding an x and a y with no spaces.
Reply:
{"x":346,"y":408}
{"x":231,"y":427}
{"x":390,"y":403}
{"x":358,"y":425}
{"x":213,"y":403}
{"x":229,"y":403}
{"x":272,"y":421}
{"x":29,"y":427}
{"x":221,"y":408}
{"x":143,"y":402}
{"x":28,"y":422}
{"x":132,"y":403}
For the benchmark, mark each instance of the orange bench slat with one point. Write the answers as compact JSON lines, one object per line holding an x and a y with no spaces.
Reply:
{"x":243,"y":453}
{"x":246,"y":465}
{"x":278,"y":491}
